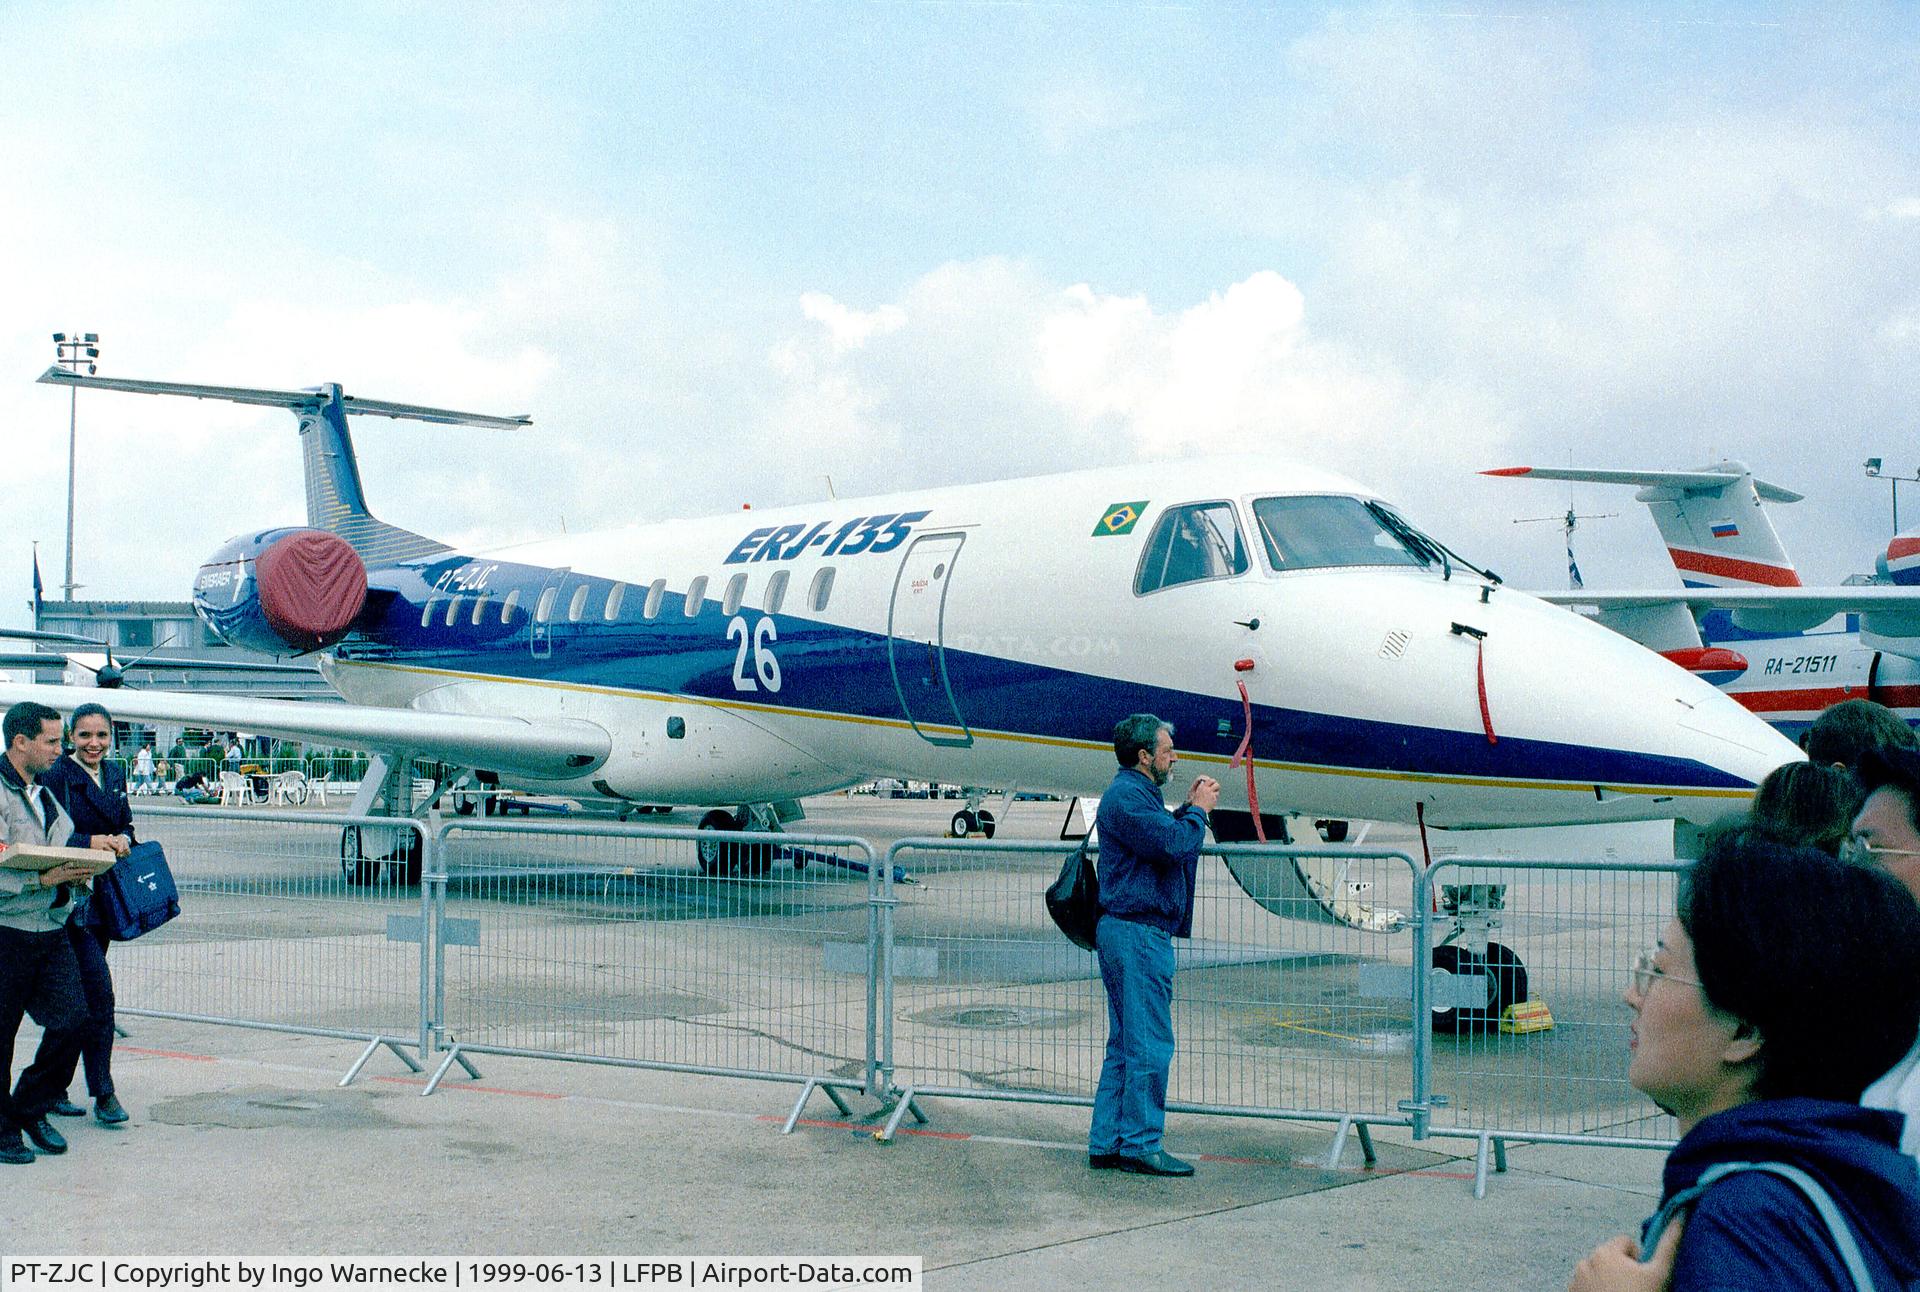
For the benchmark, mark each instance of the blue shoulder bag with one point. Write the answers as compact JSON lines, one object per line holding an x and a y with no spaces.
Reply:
{"x":136,"y":895}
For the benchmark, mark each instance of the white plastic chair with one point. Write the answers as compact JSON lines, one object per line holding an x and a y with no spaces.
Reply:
{"x":236,"y":790}
{"x":317,"y":788}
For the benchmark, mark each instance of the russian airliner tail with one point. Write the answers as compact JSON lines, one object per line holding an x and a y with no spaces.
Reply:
{"x":1713,"y":520}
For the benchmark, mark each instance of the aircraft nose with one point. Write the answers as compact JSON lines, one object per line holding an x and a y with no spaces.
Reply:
{"x":1672,"y":737}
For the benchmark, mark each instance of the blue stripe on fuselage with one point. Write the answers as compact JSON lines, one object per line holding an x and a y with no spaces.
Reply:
{"x":829,"y":669}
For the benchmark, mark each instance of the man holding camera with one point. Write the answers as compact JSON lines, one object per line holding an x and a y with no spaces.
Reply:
{"x":1148,"y":860}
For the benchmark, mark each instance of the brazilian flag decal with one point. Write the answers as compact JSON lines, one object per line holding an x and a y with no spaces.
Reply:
{"x":1120,"y":518}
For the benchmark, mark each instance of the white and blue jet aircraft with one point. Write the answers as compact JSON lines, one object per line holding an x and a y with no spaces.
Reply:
{"x":983,"y":635}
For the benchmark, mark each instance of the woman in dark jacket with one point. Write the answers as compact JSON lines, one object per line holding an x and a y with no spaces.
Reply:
{"x":1786,"y":983}
{"x":94,"y":793}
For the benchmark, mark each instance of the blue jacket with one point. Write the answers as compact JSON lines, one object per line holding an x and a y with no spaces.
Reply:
{"x":1148,"y":855}
{"x":95,"y":809}
{"x":1756,"y":1232}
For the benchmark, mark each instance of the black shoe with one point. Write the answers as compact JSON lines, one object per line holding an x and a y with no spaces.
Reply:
{"x":1103,"y":1161}
{"x":13,"y":1149}
{"x":67,"y":1108}
{"x":107,"y":1111}
{"x":44,"y":1136}
{"x":1162,"y":1163}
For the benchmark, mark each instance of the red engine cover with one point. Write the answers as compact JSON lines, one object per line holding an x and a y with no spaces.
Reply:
{"x":311,"y":586}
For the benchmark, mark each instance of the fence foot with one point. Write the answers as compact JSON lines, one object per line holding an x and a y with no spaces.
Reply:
{"x":453,"y":1056}
{"x":373,"y":1047}
{"x":1498,"y":1148}
{"x":806,"y":1093}
{"x":901,"y":1108}
{"x":1347,"y":1126}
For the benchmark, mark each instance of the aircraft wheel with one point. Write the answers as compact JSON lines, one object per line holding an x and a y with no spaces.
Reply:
{"x":1506,"y":985}
{"x":985,"y":818}
{"x":1332,"y":831}
{"x":465,"y":802}
{"x":725,"y":857}
{"x":360,"y":870}
{"x":712,"y":852}
{"x":354,"y":866}
{"x":963,"y":824}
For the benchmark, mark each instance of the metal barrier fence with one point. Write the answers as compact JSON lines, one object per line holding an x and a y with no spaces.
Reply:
{"x":1563,"y":934}
{"x":614,"y":944}
{"x":277,"y":934}
{"x":1332,"y":985}
{"x":1274,"y":1013}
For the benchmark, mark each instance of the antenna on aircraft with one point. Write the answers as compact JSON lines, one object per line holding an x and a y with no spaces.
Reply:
{"x":1568,"y":523}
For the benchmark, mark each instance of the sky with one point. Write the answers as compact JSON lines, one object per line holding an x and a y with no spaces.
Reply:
{"x":723,"y":252}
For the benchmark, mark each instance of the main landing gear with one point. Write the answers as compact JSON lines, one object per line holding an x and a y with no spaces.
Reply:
{"x":974,"y":819}
{"x":728,"y":856}
{"x":374,"y":854}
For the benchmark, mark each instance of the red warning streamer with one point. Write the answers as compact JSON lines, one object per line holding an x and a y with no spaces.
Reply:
{"x":1246,"y":752}
{"x":1480,"y":675}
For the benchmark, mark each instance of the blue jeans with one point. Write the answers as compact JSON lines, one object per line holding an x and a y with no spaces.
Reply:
{"x":1130,"y":1109}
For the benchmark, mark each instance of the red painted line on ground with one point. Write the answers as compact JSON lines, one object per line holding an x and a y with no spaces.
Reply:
{"x":483,"y":1090}
{"x":168,"y":1054}
{"x":817,"y":1124}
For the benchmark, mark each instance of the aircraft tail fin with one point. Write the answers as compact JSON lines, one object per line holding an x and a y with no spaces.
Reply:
{"x":335,"y":500}
{"x":1714,"y":520}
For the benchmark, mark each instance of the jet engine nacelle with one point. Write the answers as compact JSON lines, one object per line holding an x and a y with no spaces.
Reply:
{"x":1900,"y":563}
{"x":282,"y":591}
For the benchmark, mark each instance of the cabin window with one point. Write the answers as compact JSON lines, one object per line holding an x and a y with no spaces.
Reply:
{"x":656,"y":593}
{"x":1198,"y":541}
{"x":453,"y":611}
{"x":480,"y":606}
{"x":544,"y":610}
{"x":426,"y":611}
{"x":577,"y":606}
{"x":736,"y":593}
{"x":776,"y":593}
{"x":696,"y":598}
{"x":821,"y":589}
{"x":506,"y":607}
{"x":1310,"y":532}
{"x":614,"y":598}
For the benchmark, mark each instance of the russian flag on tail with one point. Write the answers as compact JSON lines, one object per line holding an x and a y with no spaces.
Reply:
{"x":1726,"y":529}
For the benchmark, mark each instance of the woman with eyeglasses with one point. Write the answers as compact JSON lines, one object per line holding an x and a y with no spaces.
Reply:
{"x":1784,"y":984}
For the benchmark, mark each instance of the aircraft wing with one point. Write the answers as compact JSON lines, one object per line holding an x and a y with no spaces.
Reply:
{"x":1888,"y":612}
{"x":548,"y":749}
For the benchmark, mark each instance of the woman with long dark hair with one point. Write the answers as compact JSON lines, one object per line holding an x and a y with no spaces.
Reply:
{"x":94,"y":793}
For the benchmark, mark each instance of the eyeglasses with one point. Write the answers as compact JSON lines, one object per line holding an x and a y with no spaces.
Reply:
{"x":1645,"y":972}
{"x":1861,"y":852}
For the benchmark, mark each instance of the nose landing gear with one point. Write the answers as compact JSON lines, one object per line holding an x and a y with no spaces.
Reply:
{"x":1469,"y":958}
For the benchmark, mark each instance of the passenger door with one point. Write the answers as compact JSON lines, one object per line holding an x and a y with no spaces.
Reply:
{"x":916,"y":623}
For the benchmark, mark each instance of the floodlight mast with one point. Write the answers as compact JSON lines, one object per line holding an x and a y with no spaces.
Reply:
{"x":84,"y":348}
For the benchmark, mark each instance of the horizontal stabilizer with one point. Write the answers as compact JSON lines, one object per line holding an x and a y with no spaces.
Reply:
{"x":294,"y":399}
{"x":1693,"y":481}
{"x":551,"y":749}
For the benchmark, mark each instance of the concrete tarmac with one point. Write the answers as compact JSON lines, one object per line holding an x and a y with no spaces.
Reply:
{"x":243,"y":1143}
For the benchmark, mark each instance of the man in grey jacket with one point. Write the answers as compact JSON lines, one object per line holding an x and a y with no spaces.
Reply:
{"x":37,"y":969}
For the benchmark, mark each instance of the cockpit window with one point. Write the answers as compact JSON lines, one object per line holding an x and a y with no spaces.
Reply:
{"x":1310,"y":532}
{"x":1198,"y":541}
